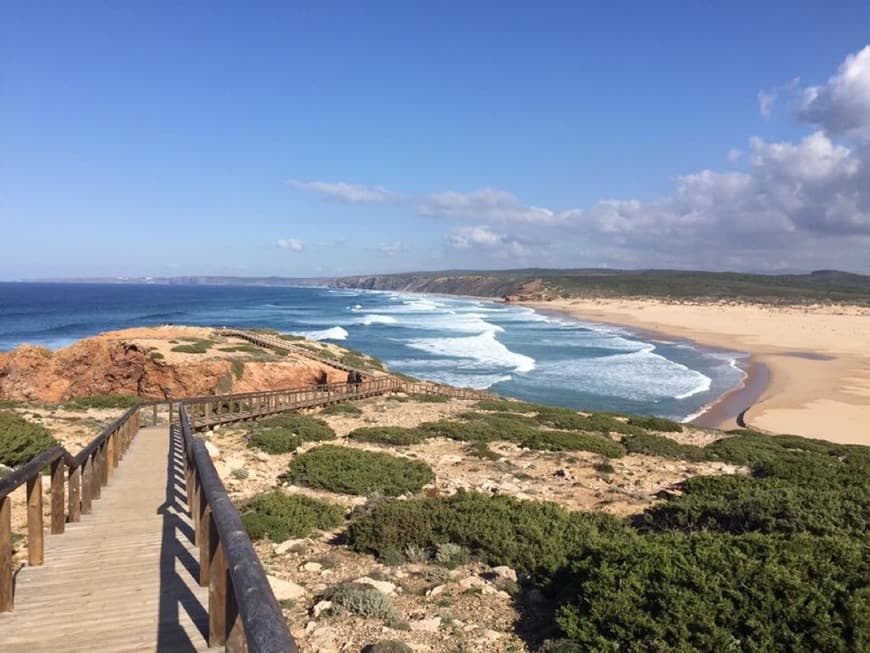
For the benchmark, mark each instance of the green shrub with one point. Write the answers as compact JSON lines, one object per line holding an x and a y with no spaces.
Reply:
{"x":739,"y":504}
{"x":195,"y":347}
{"x":238,"y":368}
{"x":342,"y":409}
{"x":21,"y":440}
{"x":427,"y":398}
{"x":245,"y":348}
{"x":282,"y":516}
{"x":388,"y":646}
{"x":310,"y":429}
{"x":354,"y":471}
{"x":572,"y":441}
{"x":510,"y":406}
{"x":290,"y":337}
{"x":482,"y":427}
{"x":604,"y":468}
{"x":363,"y":600}
{"x":714,"y":592}
{"x":10,"y":403}
{"x":465,"y":431}
{"x":156,"y":356}
{"x":394,"y":435}
{"x":275,"y":440}
{"x":481,"y":450}
{"x":570,"y":421}
{"x":656,"y":424}
{"x":101,"y":401}
{"x":657,"y":445}
{"x":534,"y":537}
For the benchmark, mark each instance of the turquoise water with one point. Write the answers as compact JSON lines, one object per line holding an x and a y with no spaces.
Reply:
{"x":509,"y":349}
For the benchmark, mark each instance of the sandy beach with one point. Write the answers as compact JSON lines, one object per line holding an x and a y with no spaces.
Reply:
{"x":809,"y":366}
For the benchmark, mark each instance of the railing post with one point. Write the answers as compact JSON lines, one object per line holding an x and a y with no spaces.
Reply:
{"x":58,"y":517}
{"x":111,"y":448}
{"x":96,"y":474}
{"x":205,"y":547}
{"x":154,"y":415}
{"x":104,"y":463}
{"x":217,"y":590}
{"x":207,"y":414}
{"x":6,"y":574}
{"x":236,"y":642}
{"x":75,"y":485}
{"x":34,"y":521}
{"x":170,"y":412}
{"x":87,"y":485}
{"x":193,"y":495}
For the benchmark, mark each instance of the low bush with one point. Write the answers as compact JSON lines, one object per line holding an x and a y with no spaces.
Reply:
{"x":465,"y":431}
{"x":21,"y":440}
{"x":101,"y":401}
{"x":310,"y":429}
{"x":363,"y":600}
{"x":657,"y":445}
{"x":394,"y":435}
{"x":245,"y":348}
{"x":238,"y":368}
{"x":290,"y":337}
{"x":510,"y":406}
{"x":275,"y":440}
{"x":715,"y":592}
{"x":282,"y":516}
{"x":426,"y":398}
{"x":572,"y":441}
{"x":388,"y":646}
{"x":10,"y":403}
{"x":342,"y":409}
{"x":354,"y":471}
{"x":481,"y":450}
{"x":196,"y":347}
{"x":536,"y":538}
{"x":656,"y":424}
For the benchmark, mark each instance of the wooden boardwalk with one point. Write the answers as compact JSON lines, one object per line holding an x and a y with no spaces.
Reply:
{"x":124,"y":578}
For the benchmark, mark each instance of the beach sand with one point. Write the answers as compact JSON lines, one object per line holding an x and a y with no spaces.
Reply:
{"x":809,"y":366}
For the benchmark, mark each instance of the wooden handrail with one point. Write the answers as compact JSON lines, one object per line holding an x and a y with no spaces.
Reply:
{"x":243,"y":613}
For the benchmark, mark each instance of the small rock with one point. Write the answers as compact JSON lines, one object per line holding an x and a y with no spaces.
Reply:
{"x":382,"y":586}
{"x":263,"y":457}
{"x":312,"y":566}
{"x":505,"y":572}
{"x":292,"y":546}
{"x":491,"y":635}
{"x":426,"y":625}
{"x":213,"y":452}
{"x":435,"y":591}
{"x":285,"y":590}
{"x":564,"y":473}
{"x":325,"y":640}
{"x":320,"y":608}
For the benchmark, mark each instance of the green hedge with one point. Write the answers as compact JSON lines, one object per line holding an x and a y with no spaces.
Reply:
{"x":534,"y":537}
{"x":275,"y":440}
{"x":21,"y":440}
{"x":342,"y":409}
{"x":394,"y":435}
{"x":102,"y":401}
{"x":310,"y":429}
{"x":656,"y":424}
{"x":658,"y":445}
{"x":571,"y":441}
{"x":714,"y":592}
{"x":354,"y":471}
{"x":282,"y":516}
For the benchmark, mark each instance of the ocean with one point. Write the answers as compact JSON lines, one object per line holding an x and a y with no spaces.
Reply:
{"x":512,"y":350}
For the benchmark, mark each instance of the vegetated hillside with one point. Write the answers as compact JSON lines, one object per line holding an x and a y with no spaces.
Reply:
{"x":515,"y":523}
{"x":819,"y":286}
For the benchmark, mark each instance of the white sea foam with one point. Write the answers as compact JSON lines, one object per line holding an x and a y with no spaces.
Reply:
{"x":335,"y":333}
{"x":483,"y":349}
{"x":374,"y":318}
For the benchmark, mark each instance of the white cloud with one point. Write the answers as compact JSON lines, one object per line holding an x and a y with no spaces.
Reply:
{"x":487,"y":204}
{"x":481,"y":237}
{"x":293,"y":244}
{"x":842,"y":105}
{"x":734,"y":155}
{"x":766,"y":100}
{"x":345,"y":192}
{"x":392,"y":248}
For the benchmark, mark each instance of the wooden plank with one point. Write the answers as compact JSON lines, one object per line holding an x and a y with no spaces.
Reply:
{"x":58,"y":515}
{"x":205,"y":545}
{"x":35,"y":535}
{"x":87,"y":485}
{"x":75,"y":484}
{"x":217,"y":590}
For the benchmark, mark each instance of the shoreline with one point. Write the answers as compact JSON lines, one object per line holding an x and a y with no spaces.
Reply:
{"x":813,"y":362}
{"x":721,"y":413}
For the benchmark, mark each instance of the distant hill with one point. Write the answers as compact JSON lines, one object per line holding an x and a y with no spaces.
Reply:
{"x":829,"y":286}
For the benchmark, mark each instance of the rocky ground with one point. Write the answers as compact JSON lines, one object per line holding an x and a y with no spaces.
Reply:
{"x":471,"y":607}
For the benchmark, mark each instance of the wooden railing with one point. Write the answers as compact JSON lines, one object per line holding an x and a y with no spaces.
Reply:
{"x":84,"y":474}
{"x":243,"y":614}
{"x":205,"y":412}
{"x":428,"y":388}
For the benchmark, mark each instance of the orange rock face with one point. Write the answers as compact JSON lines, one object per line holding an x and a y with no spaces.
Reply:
{"x":112,"y":364}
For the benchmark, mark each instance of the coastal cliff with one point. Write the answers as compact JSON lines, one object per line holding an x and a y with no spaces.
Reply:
{"x":154,"y":363}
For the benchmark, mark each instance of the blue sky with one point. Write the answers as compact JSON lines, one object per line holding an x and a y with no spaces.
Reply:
{"x":329,"y":138}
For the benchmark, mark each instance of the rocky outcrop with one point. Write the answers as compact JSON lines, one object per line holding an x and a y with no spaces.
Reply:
{"x":113,"y":364}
